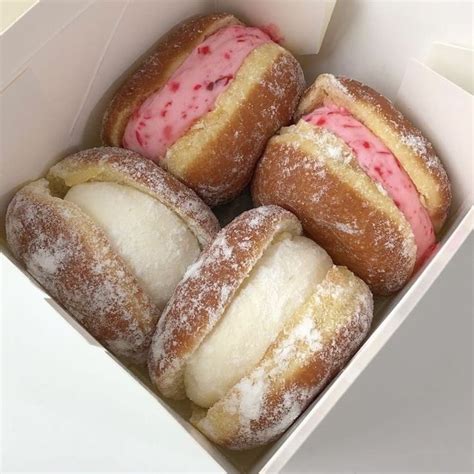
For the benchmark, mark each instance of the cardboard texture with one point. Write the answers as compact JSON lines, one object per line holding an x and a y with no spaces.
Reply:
{"x":60,"y":64}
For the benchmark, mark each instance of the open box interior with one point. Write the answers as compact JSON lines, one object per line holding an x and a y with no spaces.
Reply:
{"x":69,"y":65}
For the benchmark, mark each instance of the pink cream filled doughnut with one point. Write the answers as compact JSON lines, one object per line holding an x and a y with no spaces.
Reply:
{"x":364,"y":181}
{"x":205,"y":102}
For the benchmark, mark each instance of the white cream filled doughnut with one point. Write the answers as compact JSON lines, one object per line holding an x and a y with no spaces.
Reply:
{"x":281,"y":281}
{"x":256,"y":328}
{"x":109,"y":234}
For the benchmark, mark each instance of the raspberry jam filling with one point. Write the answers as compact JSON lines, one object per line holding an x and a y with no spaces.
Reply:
{"x":382,"y":166}
{"x":191,"y":91}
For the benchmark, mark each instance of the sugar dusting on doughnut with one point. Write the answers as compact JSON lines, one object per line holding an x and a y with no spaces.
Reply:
{"x":311,"y":349}
{"x":71,"y":258}
{"x":206,"y":289}
{"x":127,"y":167}
{"x":311,"y":172}
{"x":411,"y":148}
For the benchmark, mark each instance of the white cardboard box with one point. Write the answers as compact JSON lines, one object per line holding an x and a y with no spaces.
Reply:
{"x":60,"y":63}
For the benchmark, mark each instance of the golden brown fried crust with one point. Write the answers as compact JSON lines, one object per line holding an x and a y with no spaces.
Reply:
{"x":339,"y":206}
{"x":171,"y":51}
{"x":414,"y":152}
{"x":224,"y":165}
{"x":315,"y":344}
{"x":70,"y":256}
{"x":206,"y":290}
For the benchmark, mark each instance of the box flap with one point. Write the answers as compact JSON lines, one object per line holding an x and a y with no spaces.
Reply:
{"x":455,"y":63}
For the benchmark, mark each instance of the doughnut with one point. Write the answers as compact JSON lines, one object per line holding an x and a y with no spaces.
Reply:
{"x":258,"y":325}
{"x":109,"y":235}
{"x":205,"y":102}
{"x":365,"y":183}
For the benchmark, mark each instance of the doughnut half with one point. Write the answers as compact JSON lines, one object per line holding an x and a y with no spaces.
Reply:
{"x":72,"y":258}
{"x":315,"y":343}
{"x":126,"y":167}
{"x":217,"y":155}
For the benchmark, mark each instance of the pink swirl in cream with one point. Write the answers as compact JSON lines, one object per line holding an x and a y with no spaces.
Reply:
{"x":382,"y":166}
{"x":191,"y":91}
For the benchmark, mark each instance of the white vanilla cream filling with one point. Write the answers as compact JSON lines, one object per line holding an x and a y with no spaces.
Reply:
{"x":153,"y":241}
{"x":284,"y":277}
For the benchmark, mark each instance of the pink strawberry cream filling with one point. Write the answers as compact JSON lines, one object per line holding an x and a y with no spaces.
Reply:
{"x":191,"y":91}
{"x":382,"y":166}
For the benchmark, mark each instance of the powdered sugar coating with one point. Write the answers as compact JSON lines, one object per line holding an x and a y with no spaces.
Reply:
{"x":314,"y":345}
{"x":206,"y":289}
{"x":411,"y":148}
{"x":127,"y":167}
{"x":72,"y":259}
